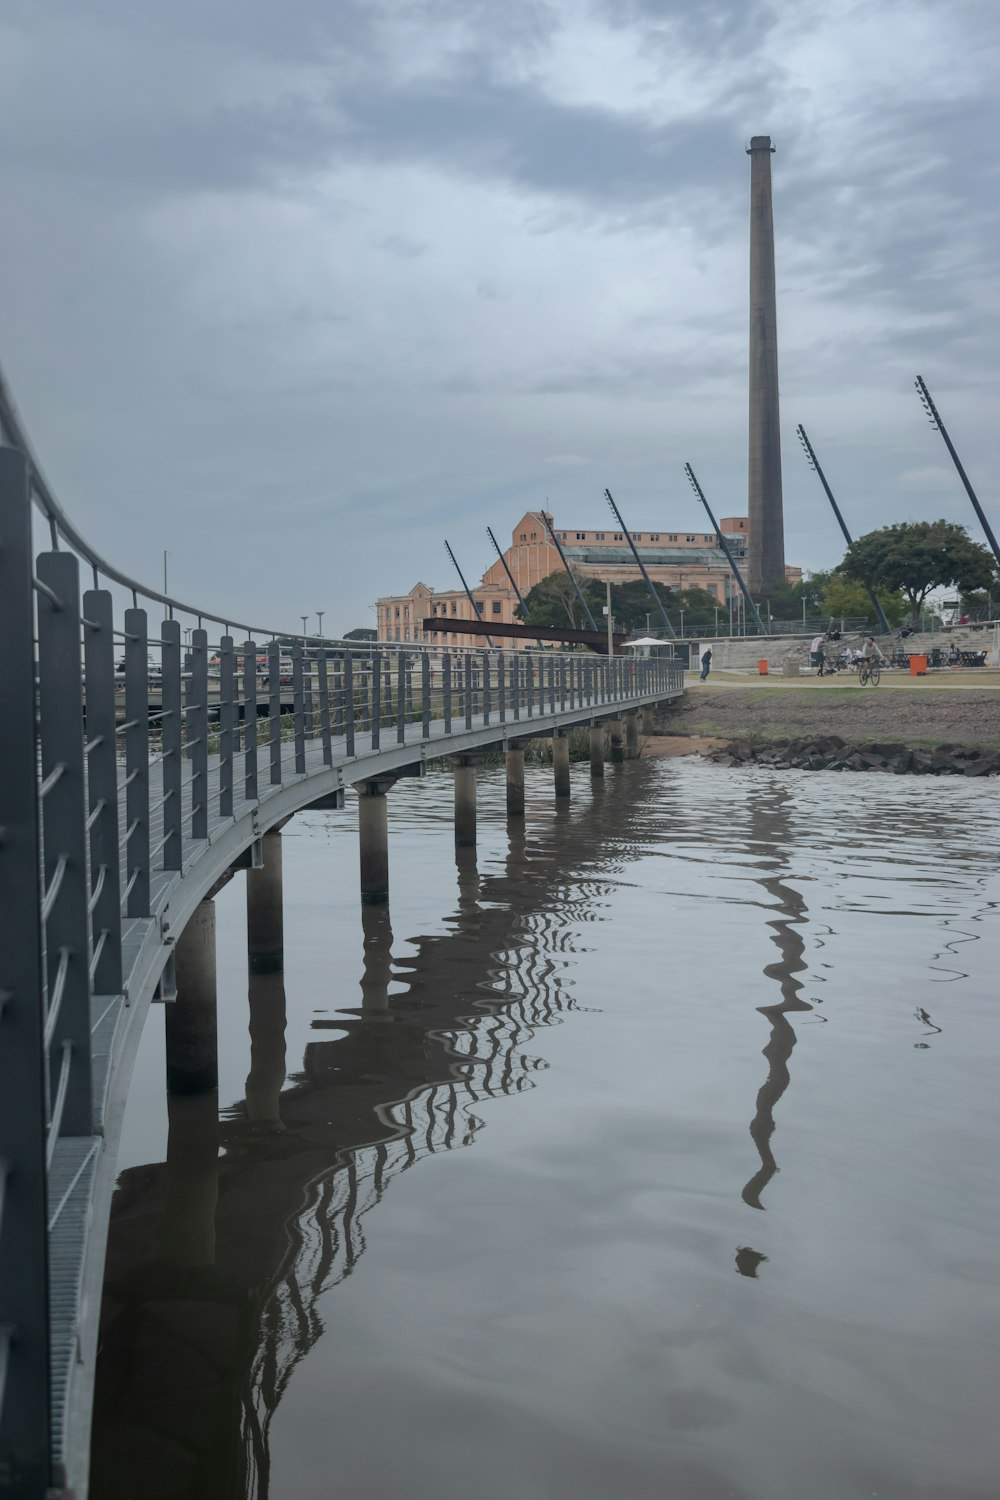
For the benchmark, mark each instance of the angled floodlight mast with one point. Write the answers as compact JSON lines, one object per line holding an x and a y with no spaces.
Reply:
{"x":639,"y":564}
{"x":938,"y":425}
{"x":572,"y":576}
{"x":725,"y":547}
{"x":814,"y":464}
{"x":468,"y":591}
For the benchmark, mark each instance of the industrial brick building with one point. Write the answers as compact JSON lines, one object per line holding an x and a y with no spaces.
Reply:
{"x":677,"y":559}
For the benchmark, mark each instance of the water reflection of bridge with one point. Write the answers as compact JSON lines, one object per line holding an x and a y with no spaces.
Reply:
{"x":190,"y":1351}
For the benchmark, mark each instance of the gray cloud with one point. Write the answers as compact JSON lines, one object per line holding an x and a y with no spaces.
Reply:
{"x":354,"y":274}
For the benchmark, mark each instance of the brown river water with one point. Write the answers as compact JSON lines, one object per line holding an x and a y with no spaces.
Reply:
{"x":649,"y":1151}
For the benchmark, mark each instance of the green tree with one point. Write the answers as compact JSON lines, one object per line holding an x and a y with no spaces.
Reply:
{"x":842,"y":597}
{"x":915,"y":557}
{"x":553,"y":602}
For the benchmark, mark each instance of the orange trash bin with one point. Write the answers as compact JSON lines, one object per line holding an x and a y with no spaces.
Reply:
{"x":918,"y":666}
{"x":762,"y":667}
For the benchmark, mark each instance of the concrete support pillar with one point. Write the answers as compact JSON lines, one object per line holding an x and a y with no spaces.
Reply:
{"x":515,"y":782}
{"x":192,"y":1043}
{"x":187,"y":1235}
{"x":373,"y":838}
{"x":465,"y":802}
{"x":265,"y":911}
{"x":267,"y":1050}
{"x":377,"y":930}
{"x":560,"y":764}
{"x":617,"y":741}
{"x":597,"y":750}
{"x":632,"y":733}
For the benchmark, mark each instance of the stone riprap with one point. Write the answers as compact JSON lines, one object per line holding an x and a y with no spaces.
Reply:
{"x":830,"y":752}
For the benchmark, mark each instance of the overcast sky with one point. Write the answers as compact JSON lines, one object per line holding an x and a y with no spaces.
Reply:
{"x":297,"y":290}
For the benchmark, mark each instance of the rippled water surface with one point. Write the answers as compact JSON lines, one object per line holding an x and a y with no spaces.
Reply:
{"x":651,"y":1151}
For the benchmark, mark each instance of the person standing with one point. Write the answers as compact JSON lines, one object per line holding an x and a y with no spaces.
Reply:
{"x":706,"y":662}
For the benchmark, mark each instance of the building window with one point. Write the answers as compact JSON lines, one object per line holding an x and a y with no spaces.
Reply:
{"x":598,"y":536}
{"x":654,"y":536}
{"x":406,"y":633}
{"x":397,"y":611}
{"x":637,"y":536}
{"x":690,"y":538}
{"x":671,"y":539}
{"x":562,"y":536}
{"x":534,"y":536}
{"x":497,"y":607}
{"x":454,"y":607}
{"x":524,"y":536}
{"x":581,"y":536}
{"x":617,"y":536}
{"x":479,"y":606}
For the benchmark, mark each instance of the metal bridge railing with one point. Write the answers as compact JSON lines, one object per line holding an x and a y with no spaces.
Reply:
{"x":127,"y":744}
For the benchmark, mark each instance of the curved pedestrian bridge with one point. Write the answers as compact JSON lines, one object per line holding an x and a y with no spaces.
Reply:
{"x":128,"y":793}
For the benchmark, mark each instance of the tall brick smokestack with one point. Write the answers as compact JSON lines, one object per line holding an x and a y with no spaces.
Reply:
{"x":766,"y":562}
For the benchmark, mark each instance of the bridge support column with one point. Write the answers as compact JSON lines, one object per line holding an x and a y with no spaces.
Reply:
{"x":265,"y":911}
{"x":373,"y":833}
{"x":560,"y":764}
{"x":465,"y":801}
{"x":192,"y":1044}
{"x":617,"y":742}
{"x":597,"y":750}
{"x":515,"y":781}
{"x":632,"y":733}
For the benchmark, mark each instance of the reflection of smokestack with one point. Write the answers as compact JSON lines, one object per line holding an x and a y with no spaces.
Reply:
{"x":766,"y":564}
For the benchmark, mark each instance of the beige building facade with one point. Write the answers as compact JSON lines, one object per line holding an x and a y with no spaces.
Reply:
{"x":676,"y":559}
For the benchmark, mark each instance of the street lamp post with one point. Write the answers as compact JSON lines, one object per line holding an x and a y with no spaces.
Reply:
{"x":319,"y":615}
{"x":305,"y":622}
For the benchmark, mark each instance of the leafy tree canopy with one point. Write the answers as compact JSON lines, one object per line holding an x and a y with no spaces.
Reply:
{"x":914,"y":557}
{"x":553,"y":602}
{"x":360,"y":633}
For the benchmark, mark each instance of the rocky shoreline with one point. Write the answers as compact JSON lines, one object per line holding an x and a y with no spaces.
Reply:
{"x":829,"y":752}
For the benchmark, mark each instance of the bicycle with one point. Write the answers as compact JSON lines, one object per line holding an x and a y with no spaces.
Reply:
{"x":869,"y":672}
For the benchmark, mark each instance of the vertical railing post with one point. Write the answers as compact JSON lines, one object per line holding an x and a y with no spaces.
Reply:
{"x":274,"y":710}
{"x":363,"y":693}
{"x":299,"y":708}
{"x":468,"y":690}
{"x":307,"y":694}
{"x":24,"y":1294}
{"x":227,"y":710}
{"x":515,"y":684}
{"x":376,"y":672}
{"x":486,"y":687}
{"x":102,"y":790}
{"x":67,"y":927}
{"x":197,"y":730}
{"x":425,"y":693}
{"x":349,"y":703}
{"x":324,"y":706}
{"x":170,"y":708}
{"x":400,"y":697}
{"x":136,"y":764}
{"x":250,"y":720}
{"x":338,"y":696}
{"x":501,"y":688}
{"x":446,"y":690}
